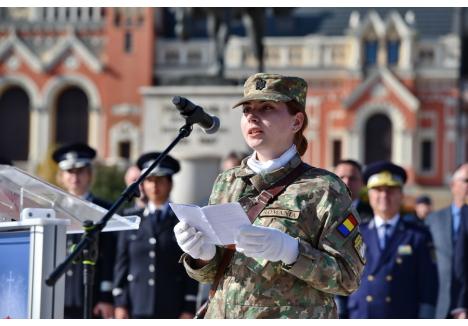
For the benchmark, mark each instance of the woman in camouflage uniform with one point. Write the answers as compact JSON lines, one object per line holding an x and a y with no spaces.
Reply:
{"x":305,"y":246}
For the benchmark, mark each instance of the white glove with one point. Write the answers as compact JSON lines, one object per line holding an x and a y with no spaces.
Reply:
{"x":193,"y":242}
{"x":267,"y":243}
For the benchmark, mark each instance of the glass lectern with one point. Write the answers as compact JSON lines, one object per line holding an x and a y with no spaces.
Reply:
{"x":34,"y":219}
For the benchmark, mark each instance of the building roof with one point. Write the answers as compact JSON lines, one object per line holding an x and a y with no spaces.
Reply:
{"x":42,"y":54}
{"x":429,"y":22}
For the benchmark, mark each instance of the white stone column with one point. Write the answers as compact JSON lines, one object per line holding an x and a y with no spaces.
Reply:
{"x":34,"y":133}
{"x":84,"y":14}
{"x":37,"y":14}
{"x":407,"y":148}
{"x":284,"y":55}
{"x":95,"y":131}
{"x":195,"y":180}
{"x":354,"y":53}
{"x":73,"y":14}
{"x":353,"y":148}
{"x":96,"y":14}
{"x":50,"y":14}
{"x":40,"y":135}
{"x":405,"y":53}
{"x":62,"y":14}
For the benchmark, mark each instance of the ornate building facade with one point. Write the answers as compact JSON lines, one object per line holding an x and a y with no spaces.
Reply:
{"x":73,"y":74}
{"x":383,"y":84}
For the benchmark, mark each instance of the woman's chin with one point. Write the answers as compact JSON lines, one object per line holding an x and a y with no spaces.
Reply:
{"x":255,"y":143}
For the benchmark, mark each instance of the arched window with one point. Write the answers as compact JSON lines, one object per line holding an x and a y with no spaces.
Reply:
{"x":14,"y":115}
{"x":370,"y":48}
{"x":378,"y":138}
{"x":71,"y":121}
{"x":370,"y":53}
{"x":393,"y":47}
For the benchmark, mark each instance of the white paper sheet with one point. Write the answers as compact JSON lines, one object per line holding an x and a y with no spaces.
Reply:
{"x":220,"y":223}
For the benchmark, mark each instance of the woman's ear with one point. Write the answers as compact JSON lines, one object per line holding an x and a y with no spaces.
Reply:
{"x":298,"y":121}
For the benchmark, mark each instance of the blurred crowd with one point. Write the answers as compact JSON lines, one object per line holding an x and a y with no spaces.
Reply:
{"x":415,"y":259}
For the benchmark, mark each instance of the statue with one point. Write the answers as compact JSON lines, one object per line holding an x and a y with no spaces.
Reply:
{"x":218,"y":25}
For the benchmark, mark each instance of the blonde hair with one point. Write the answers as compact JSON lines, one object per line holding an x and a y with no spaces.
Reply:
{"x":299,"y":139}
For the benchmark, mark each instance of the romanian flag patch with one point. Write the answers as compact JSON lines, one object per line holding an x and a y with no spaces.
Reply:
{"x":348,"y":225}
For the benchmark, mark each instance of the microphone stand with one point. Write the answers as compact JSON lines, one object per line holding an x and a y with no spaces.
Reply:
{"x":89,"y":244}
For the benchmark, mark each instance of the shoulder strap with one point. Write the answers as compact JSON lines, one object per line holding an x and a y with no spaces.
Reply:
{"x":265,"y":197}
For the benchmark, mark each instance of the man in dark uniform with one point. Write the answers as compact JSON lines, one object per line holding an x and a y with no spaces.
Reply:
{"x":350,"y":172}
{"x":149,"y":280}
{"x":75,"y":176}
{"x":400,"y":276}
{"x":422,"y":207}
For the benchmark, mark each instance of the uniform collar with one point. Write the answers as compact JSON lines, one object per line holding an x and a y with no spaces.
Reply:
{"x":151,"y":208}
{"x":271,"y":165}
{"x":87,"y":196}
{"x":380,"y":221}
{"x":264,"y":181}
{"x":455,"y":209}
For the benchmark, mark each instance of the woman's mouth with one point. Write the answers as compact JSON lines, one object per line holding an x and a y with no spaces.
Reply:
{"x":254,"y":131}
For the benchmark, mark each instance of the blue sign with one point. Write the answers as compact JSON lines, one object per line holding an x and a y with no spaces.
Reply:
{"x":14,"y":274}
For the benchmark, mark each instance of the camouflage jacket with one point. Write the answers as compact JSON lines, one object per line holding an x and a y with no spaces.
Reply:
{"x":313,"y":209}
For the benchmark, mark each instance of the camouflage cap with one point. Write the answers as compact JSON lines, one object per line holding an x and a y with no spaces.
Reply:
{"x":273,"y":87}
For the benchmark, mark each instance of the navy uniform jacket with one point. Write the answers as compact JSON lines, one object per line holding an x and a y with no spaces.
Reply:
{"x":401,"y":280}
{"x":149,"y":280}
{"x":364,"y":210}
{"x":102,"y":291}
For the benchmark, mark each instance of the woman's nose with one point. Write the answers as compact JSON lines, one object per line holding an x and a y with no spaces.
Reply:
{"x":251,"y":116}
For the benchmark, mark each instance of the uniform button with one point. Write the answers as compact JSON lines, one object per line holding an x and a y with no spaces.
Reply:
{"x":70,"y":273}
{"x":151,"y":268}
{"x":152,"y":254}
{"x":388,"y":299}
{"x":133,"y":237}
{"x":370,"y":278}
{"x":151,"y":282}
{"x":152,"y":241}
{"x":129,"y":277}
{"x":389,"y":278}
{"x":399,"y":260}
{"x":369,"y":298}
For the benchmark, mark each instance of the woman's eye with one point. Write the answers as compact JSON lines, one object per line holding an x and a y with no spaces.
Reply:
{"x":245,"y":110}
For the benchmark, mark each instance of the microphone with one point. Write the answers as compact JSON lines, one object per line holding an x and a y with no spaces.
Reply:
{"x":209,"y":123}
